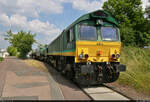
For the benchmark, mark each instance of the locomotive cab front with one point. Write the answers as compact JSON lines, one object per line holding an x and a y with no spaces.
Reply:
{"x":98,"y":48}
{"x":88,"y":51}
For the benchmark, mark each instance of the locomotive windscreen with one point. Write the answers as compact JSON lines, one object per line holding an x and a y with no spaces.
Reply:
{"x":109,"y":33}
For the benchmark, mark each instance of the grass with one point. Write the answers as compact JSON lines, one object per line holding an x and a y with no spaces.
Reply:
{"x":1,"y":59}
{"x":37,"y":64}
{"x":137,"y":75}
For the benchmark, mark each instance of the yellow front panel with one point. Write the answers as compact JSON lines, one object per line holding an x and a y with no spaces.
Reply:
{"x":92,"y":48}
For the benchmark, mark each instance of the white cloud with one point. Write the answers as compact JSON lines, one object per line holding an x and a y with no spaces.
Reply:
{"x":33,"y":8}
{"x":4,"y":20}
{"x":91,"y":5}
{"x":17,"y":22}
{"x":145,"y":3}
{"x":86,"y":5}
{"x":30,"y":8}
{"x":20,"y":22}
{"x":3,"y":43}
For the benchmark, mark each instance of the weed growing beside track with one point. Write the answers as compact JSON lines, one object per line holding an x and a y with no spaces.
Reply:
{"x":137,"y":75}
{"x":36,"y":64}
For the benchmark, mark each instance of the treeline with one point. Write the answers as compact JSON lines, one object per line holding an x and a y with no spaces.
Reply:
{"x":134,"y":22}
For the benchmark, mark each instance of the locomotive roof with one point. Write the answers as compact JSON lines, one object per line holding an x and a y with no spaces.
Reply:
{"x":104,"y":15}
{"x":99,"y":14}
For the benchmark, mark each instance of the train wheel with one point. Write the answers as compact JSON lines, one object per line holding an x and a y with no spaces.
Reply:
{"x":69,"y":75}
{"x":68,"y":72}
{"x":115,"y":76}
{"x":110,"y":74}
{"x":58,"y":65}
{"x":48,"y":61}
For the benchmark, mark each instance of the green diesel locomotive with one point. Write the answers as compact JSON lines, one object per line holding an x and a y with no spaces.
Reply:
{"x":88,"y":51}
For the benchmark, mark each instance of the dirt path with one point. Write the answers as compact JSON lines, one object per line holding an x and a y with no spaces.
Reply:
{"x":22,"y":82}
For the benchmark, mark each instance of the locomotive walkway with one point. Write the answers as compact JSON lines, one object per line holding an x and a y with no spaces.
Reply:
{"x":19,"y":81}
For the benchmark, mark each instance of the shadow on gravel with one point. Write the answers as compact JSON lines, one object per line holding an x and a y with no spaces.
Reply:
{"x":61,"y":79}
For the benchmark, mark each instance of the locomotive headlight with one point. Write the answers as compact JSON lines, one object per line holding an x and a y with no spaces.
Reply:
{"x":86,"y":56}
{"x":117,"y":56}
{"x":81,"y":56}
{"x":113,"y":55}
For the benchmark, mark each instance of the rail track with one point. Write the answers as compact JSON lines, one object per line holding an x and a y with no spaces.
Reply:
{"x":103,"y":92}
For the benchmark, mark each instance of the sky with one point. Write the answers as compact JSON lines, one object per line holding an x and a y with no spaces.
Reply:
{"x":45,"y":18}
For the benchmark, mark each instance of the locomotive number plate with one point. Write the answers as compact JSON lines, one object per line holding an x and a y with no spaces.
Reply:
{"x":99,"y":43}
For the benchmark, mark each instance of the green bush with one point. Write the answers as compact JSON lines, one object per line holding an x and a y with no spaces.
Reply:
{"x":1,"y":59}
{"x":12,"y":51}
{"x":127,"y":36}
{"x":138,"y":68}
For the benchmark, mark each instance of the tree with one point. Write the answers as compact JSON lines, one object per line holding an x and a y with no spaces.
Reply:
{"x":12,"y":51}
{"x":22,"y":41}
{"x":132,"y":22}
{"x":127,"y":37}
{"x":128,"y":12}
